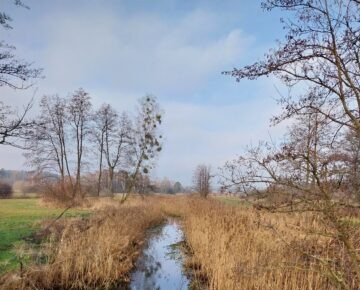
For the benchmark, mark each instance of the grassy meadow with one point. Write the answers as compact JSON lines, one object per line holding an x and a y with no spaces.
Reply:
{"x":228,"y":245}
{"x":19,"y":218}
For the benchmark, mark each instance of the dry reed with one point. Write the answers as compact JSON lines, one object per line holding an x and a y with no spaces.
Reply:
{"x":230,"y":247}
{"x":238,"y":248}
{"x":99,"y":251}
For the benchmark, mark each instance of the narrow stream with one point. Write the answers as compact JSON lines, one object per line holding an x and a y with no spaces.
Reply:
{"x":160,"y":265}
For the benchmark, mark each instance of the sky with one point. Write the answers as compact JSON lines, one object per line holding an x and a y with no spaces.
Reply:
{"x":119,"y":51}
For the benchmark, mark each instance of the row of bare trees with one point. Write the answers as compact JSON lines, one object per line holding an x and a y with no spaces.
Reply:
{"x":69,"y":137}
{"x":316,"y":167}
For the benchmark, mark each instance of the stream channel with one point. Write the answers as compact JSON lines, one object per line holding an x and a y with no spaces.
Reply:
{"x":160,"y":266}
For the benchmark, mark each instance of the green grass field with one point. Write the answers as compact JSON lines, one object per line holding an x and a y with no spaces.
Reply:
{"x":18,"y":219}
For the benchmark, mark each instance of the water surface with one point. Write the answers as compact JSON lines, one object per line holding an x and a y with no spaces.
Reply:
{"x":160,"y":265}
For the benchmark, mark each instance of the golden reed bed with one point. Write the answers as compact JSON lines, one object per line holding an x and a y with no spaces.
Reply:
{"x":229,"y":247}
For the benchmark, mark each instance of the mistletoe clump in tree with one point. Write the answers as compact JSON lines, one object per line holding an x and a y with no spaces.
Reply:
{"x":146,"y":140}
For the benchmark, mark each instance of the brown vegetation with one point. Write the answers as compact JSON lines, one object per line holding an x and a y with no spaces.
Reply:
{"x":239,"y":248}
{"x":99,"y":251}
{"x":5,"y":190}
{"x":315,"y":168}
{"x":58,"y":194}
{"x":229,"y":247}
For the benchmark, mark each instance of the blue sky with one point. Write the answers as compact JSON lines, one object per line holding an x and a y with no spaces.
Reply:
{"x":119,"y":51}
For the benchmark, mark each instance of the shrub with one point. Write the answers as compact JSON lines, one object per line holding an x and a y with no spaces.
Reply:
{"x":58,"y":193}
{"x":5,"y":190}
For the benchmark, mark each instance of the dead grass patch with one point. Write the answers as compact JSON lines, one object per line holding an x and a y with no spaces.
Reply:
{"x":99,"y":251}
{"x":228,"y":247}
{"x":243,"y":248}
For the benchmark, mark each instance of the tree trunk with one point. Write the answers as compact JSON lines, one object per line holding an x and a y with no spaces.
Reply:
{"x":100,"y":165}
{"x":111,"y":180}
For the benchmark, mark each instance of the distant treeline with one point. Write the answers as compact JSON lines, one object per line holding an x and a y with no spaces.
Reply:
{"x":10,"y":176}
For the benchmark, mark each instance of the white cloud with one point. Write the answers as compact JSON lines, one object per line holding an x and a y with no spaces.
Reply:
{"x":137,"y":52}
{"x":118,"y":57}
{"x":212,"y":134}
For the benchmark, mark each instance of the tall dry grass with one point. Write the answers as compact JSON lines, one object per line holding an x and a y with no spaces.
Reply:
{"x":229,"y":248}
{"x":87,"y":254}
{"x":238,"y":248}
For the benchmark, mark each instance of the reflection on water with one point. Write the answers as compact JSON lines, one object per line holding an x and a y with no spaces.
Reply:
{"x":160,"y":266}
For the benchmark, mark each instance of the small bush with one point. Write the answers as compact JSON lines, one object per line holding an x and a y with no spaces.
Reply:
{"x":5,"y":190}
{"x":58,"y":193}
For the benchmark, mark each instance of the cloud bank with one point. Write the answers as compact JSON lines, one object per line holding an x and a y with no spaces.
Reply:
{"x":119,"y":54}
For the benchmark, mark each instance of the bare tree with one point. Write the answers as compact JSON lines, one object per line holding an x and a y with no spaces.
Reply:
{"x":14,"y":72}
{"x":5,"y":18}
{"x":62,"y":135}
{"x":115,"y":140}
{"x":351,"y":150}
{"x":321,"y":52}
{"x":48,"y":142}
{"x":165,"y":185}
{"x":276,"y":178}
{"x":143,"y":184}
{"x":202,"y":180}
{"x":13,"y":125}
{"x":104,"y":121}
{"x":79,"y":110}
{"x":117,"y":146}
{"x":145,"y":140}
